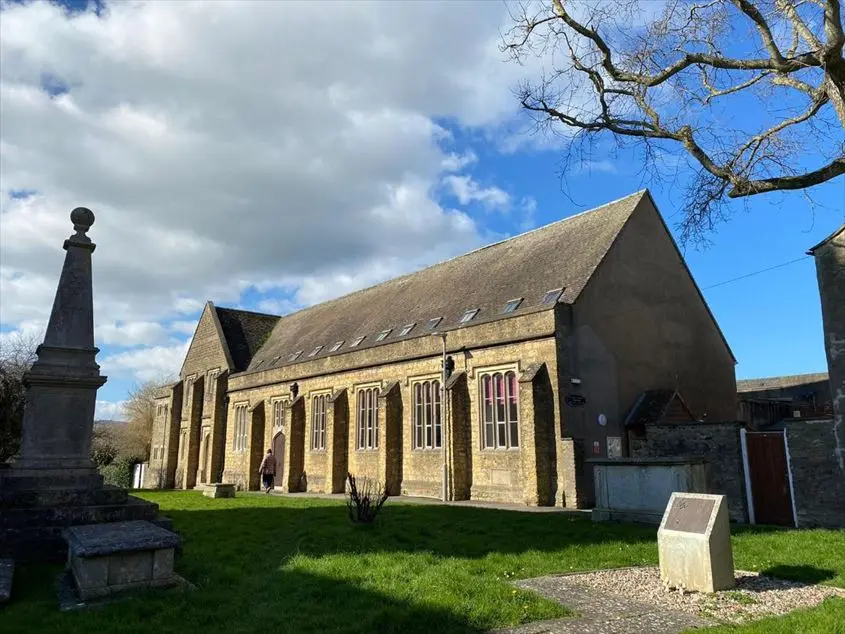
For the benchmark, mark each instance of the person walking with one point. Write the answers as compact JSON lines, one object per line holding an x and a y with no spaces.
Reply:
{"x":268,"y":470}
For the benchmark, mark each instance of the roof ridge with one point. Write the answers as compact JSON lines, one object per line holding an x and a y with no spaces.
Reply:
{"x":463,"y":255}
{"x":547,"y":226}
{"x":249,"y":312}
{"x":784,"y":376}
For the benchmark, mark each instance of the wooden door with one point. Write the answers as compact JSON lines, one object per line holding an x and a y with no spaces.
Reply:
{"x":769,"y":478}
{"x":279,"y":453}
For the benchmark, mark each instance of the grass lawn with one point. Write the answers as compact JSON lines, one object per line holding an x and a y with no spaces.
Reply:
{"x":266,"y":564}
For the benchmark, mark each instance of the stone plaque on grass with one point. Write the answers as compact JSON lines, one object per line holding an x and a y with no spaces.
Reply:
{"x":694,"y":543}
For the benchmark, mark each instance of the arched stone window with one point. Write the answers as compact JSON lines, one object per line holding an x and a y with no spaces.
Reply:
{"x":318,"y":421}
{"x":499,"y":410}
{"x":367,"y":418}
{"x":427,"y":424}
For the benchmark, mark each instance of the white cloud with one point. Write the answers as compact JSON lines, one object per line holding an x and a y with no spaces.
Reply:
{"x":132,"y":333}
{"x":607,"y":167}
{"x":467,"y":191}
{"x":183,"y":327}
{"x":231,"y":143}
{"x":109,"y":410}
{"x":155,"y":363}
{"x":238,"y":145}
{"x":456,"y":162}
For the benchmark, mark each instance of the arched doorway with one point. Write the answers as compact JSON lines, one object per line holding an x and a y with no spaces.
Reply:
{"x":279,"y":453}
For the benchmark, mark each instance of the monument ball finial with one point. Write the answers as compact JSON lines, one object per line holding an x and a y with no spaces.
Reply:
{"x":82,"y":219}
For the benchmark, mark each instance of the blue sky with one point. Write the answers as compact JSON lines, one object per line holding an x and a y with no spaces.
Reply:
{"x":241,"y":166}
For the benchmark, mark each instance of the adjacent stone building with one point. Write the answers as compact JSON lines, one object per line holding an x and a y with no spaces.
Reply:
{"x":549,"y":339}
{"x":765,"y":401}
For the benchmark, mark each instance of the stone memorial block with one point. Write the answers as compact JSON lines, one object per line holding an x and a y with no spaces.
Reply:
{"x":106,"y":559}
{"x":218,"y":490}
{"x":694,"y":543}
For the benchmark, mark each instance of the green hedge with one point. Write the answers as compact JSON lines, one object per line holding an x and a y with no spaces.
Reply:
{"x":119,"y":473}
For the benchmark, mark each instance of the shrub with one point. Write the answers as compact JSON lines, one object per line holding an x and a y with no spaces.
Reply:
{"x":119,"y":472}
{"x":364,"y":503}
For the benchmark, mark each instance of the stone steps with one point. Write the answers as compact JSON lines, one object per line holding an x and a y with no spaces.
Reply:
{"x":62,"y":497}
{"x":36,"y":533}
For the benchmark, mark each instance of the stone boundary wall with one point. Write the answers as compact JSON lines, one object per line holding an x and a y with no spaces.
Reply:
{"x":817,"y":477}
{"x":718,"y":442}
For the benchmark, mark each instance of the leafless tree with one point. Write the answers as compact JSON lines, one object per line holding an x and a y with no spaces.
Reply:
{"x":17,"y":354}
{"x":139,"y":410}
{"x":753,"y":91}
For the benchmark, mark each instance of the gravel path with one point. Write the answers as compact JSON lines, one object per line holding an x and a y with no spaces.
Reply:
{"x":754,"y":596}
{"x":635,"y":600}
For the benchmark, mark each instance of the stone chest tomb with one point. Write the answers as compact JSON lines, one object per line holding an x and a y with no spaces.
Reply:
{"x":107,"y":559}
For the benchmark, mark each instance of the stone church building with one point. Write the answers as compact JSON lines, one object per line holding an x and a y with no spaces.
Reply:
{"x":550,"y":339}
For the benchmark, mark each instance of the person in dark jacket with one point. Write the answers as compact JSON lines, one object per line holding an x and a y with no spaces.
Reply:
{"x":268,"y":470}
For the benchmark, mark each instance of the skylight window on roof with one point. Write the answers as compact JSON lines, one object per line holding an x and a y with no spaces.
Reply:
{"x":357,"y":341}
{"x":432,"y":323}
{"x":336,"y":346}
{"x":551,"y":297}
{"x":406,"y":329}
{"x":258,"y":365}
{"x":511,"y":306}
{"x":276,"y":359}
{"x":472,"y":312}
{"x":315,"y":351}
{"x":383,"y":334}
{"x":295,"y":355}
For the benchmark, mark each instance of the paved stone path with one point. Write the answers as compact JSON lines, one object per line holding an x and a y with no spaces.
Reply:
{"x":601,"y":613}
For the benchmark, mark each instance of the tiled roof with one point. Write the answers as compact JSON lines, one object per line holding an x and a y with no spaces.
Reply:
{"x":653,"y":405}
{"x":244,"y":332}
{"x":563,"y":255}
{"x":778,"y":382}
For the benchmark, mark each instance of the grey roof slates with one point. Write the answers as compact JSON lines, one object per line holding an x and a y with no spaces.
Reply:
{"x":563,"y":254}
{"x":778,"y":382}
{"x":245,"y":332}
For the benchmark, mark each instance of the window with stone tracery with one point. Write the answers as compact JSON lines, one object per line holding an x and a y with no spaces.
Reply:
{"x":367,"y":418}
{"x":499,"y":410}
{"x":426,"y":415}
{"x":319,"y":404}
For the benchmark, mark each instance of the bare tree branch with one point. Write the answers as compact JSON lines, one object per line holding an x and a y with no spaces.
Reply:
{"x":659,"y":81}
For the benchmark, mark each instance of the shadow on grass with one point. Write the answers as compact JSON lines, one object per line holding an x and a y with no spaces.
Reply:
{"x":808,"y":574}
{"x":283,"y":602}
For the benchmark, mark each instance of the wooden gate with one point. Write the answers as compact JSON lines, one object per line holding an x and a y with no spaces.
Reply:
{"x":769,"y":474}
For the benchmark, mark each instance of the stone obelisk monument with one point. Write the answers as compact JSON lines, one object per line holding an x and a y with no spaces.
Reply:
{"x":62,"y":384}
{"x":53,"y":484}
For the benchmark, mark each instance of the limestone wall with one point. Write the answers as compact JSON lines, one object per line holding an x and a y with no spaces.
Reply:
{"x":475,"y":472}
{"x":719,"y":443}
{"x":816,"y":477}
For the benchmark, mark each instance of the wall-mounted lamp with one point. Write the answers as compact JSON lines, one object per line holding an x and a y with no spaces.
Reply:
{"x":294,"y":390}
{"x":450,"y":366}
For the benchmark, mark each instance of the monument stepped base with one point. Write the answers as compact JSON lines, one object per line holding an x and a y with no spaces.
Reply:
{"x":31,"y":521}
